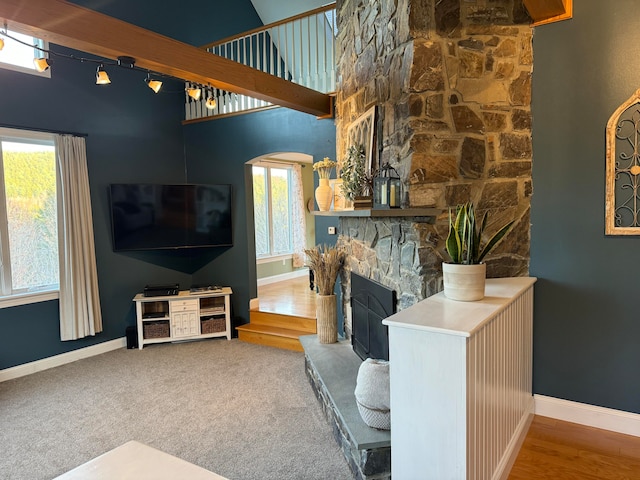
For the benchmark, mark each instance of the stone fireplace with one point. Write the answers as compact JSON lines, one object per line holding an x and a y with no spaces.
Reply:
{"x":451,"y":83}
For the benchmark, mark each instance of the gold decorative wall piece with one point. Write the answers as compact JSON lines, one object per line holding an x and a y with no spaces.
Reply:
{"x":622,"y":196}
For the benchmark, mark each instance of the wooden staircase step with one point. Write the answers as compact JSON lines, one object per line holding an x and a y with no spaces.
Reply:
{"x":289,"y":322}
{"x":271,"y":336}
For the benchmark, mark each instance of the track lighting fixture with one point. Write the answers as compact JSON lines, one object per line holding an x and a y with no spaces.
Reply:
{"x":126,"y":62}
{"x":102,"y":78}
{"x":211,"y":102}
{"x":44,"y":62}
{"x":41,"y":64}
{"x":154,"y":85}
{"x":194,"y":92}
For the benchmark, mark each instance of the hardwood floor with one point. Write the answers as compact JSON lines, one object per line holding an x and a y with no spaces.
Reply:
{"x":289,"y":297}
{"x":552,"y":449}
{"x":559,"y":450}
{"x":286,"y":312}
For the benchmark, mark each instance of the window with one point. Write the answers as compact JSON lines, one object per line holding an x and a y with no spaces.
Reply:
{"x":28,"y":213}
{"x":272,"y":210}
{"x":20,"y":50}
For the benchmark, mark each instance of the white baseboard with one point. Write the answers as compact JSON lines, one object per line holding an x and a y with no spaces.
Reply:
{"x":283,"y":276}
{"x":589,"y":415}
{"x":63,"y":358}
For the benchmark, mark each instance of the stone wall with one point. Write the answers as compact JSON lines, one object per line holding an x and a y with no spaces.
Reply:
{"x":451,"y":80}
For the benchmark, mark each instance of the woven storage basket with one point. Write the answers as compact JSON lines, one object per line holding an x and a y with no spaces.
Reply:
{"x":380,"y":419}
{"x":213,"y":325}
{"x":372,"y":393}
{"x":155,"y":330}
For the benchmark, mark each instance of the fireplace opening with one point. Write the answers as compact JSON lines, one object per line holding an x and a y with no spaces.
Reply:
{"x":371,"y":302}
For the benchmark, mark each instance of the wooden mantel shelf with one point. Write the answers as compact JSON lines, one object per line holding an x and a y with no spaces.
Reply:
{"x":376,"y":213}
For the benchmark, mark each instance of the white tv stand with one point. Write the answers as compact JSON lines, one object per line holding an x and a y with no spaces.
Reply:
{"x":186,"y":316}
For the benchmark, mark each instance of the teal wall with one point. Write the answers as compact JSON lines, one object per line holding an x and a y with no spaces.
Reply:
{"x":135,"y":135}
{"x":587,"y":319}
{"x":218,"y":150}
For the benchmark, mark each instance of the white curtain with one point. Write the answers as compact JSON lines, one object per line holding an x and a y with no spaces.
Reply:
{"x":299,"y":221}
{"x":79,"y":300}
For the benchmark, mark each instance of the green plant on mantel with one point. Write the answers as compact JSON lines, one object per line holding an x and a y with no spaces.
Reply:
{"x":356,"y":181}
{"x":465,"y":236}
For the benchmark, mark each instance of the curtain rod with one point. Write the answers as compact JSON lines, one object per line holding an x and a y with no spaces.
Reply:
{"x":286,"y":162}
{"x":45,"y":130}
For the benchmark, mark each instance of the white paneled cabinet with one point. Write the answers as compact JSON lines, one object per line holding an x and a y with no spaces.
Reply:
{"x":186,"y":316}
{"x":461,"y":383}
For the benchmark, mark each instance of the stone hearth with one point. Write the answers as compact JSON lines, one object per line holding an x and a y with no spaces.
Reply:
{"x":332,"y":370}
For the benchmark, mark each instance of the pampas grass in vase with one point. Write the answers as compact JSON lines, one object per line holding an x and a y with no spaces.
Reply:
{"x":326,"y":263}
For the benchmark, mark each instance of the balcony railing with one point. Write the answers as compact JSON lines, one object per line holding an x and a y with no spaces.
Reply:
{"x":300,"y":49}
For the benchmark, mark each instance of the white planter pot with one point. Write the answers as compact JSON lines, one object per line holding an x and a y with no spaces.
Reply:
{"x":464,"y":282}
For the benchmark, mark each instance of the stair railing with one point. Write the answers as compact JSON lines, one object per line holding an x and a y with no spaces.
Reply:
{"x":300,"y":49}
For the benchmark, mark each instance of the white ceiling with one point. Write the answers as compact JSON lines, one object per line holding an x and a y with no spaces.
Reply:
{"x":273,"y":10}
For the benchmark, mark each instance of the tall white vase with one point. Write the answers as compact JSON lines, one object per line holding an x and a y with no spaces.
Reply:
{"x":464,"y":282}
{"x":324,"y":195}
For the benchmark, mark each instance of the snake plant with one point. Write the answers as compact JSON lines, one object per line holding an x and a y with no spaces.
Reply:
{"x":465,"y":236}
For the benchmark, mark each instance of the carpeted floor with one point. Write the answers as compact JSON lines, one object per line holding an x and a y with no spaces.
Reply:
{"x":243,"y":411}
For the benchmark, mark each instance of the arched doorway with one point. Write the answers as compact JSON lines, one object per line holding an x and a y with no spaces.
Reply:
{"x":282,"y":194}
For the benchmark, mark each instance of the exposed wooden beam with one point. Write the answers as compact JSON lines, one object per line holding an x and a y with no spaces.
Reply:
{"x":548,"y":11}
{"x":72,"y":26}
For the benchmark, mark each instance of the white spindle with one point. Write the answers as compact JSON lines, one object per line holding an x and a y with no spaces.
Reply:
{"x":324,"y":45}
{"x":271,"y":69}
{"x":296,"y":69}
{"x":285,"y":57}
{"x":332,"y":71}
{"x":308,"y":83}
{"x":264,"y":51}
{"x":277,"y":50}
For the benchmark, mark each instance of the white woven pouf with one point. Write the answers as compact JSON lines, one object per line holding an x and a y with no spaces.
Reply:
{"x":372,"y":393}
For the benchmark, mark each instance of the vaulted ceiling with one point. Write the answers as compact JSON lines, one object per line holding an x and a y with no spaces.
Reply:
{"x":271,"y":11}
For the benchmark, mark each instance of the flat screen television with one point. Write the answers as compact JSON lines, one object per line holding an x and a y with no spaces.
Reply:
{"x":152,"y":216}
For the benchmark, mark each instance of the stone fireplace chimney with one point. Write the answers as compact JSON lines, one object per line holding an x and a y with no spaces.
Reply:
{"x":451,"y":82}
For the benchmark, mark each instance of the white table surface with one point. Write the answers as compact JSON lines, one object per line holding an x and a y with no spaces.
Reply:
{"x":136,"y":461}
{"x":439,"y":314}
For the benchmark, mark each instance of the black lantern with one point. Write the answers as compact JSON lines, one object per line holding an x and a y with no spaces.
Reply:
{"x":387,"y":188}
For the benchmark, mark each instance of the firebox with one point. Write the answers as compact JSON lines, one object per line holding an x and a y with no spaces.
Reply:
{"x":371,"y":302}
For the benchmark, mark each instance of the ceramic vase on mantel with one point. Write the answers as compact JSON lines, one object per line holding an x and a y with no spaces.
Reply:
{"x":326,"y":318}
{"x":464,"y":282}
{"x":324,"y":195}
